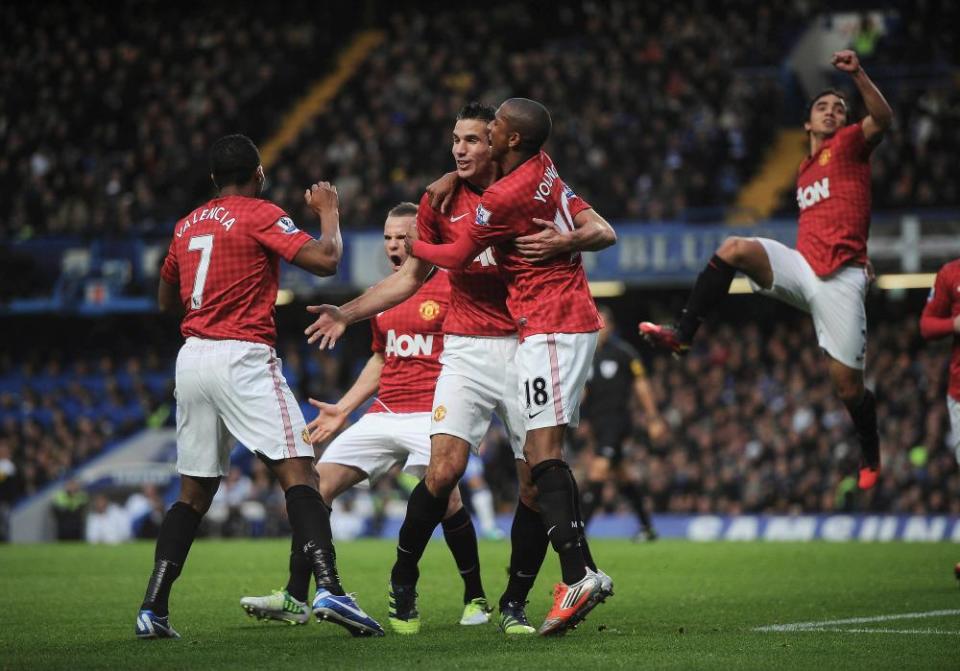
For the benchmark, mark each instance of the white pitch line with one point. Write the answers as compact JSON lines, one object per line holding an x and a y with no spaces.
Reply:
{"x":817,"y":626}
{"x":885,"y":631}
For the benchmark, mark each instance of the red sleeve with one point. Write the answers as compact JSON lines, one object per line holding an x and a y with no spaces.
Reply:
{"x":379,"y":343}
{"x":170,"y":271}
{"x":457,"y":254}
{"x":427,"y":228}
{"x":496,"y":221}
{"x":575,"y":203}
{"x":275,"y":230}
{"x":936,"y":322}
{"x":852,"y":140}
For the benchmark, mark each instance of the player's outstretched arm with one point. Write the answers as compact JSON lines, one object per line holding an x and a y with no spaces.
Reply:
{"x":879,"y":114}
{"x":331,"y":417}
{"x":168,"y":298}
{"x":591,"y":233}
{"x":322,"y":257}
{"x":332,"y":321}
{"x":454,"y":255}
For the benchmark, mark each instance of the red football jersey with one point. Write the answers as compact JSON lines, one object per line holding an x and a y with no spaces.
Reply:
{"x":833,"y":193}
{"x":478,"y":296}
{"x":224,"y":255}
{"x":548,"y":296}
{"x":410,"y":337}
{"x":941,"y":310}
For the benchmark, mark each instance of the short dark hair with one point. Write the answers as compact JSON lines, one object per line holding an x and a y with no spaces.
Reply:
{"x":530,"y":119}
{"x":404,"y":209}
{"x":826,"y":92}
{"x":233,"y":160}
{"x":477,"y":110}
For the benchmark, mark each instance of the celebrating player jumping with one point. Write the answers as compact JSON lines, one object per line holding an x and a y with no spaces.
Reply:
{"x":826,"y":275}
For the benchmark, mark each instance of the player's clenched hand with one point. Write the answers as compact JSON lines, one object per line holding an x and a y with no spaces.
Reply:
{"x":328,"y":421}
{"x":328,"y":327}
{"x":846,"y":61}
{"x":871,"y":273}
{"x":322,"y":197}
{"x":543,"y":244}
{"x":441,"y":192}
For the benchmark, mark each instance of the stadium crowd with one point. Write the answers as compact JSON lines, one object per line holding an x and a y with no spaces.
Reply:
{"x":687,"y":104}
{"x":113,"y":108}
{"x":755,"y":428}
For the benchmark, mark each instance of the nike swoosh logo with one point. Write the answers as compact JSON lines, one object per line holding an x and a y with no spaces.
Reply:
{"x":550,"y":530}
{"x":531,"y":416}
{"x":521,"y":574}
{"x":453,"y":219}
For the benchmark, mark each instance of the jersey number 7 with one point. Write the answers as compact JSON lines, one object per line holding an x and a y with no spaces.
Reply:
{"x":204,"y":245}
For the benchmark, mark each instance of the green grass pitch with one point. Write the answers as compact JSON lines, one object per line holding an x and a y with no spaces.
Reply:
{"x":678,"y":605}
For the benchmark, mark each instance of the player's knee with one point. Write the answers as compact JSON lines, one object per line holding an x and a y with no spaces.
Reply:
{"x":734,"y":250}
{"x":528,"y":495}
{"x":442,"y":478}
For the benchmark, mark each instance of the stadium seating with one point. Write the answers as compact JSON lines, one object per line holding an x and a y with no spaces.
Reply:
{"x":661,"y":112}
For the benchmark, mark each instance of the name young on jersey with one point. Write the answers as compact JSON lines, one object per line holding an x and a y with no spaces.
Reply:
{"x":406,"y":345}
{"x":550,"y":175}
{"x":813,"y":194}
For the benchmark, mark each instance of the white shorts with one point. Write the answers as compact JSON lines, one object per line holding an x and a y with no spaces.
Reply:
{"x":231,"y":390}
{"x":381,"y":439}
{"x":836,"y":303}
{"x":478,"y":377}
{"x":553,"y":369}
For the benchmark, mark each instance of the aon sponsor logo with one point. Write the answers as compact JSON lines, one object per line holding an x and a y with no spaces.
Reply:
{"x":408,"y":345}
{"x":814,"y":193}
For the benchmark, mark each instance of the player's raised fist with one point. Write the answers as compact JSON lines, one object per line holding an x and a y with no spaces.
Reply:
{"x":846,"y":61}
{"x":321,"y":197}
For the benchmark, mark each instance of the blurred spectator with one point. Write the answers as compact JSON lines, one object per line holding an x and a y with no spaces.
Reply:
{"x":9,"y":489}
{"x":107,"y":522}
{"x":145,"y":511}
{"x":69,"y":510}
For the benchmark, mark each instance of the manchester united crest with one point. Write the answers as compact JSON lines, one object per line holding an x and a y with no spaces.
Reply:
{"x":305,"y":435}
{"x":429,"y":310}
{"x":824,"y":156}
{"x":439,"y":413}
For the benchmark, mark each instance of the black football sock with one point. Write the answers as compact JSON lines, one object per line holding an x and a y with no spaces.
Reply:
{"x":424,"y":512}
{"x":864,"y":416}
{"x":310,"y":522}
{"x":298,"y":584}
{"x":634,"y":494}
{"x":582,"y":526}
{"x":592,"y":499}
{"x":177,"y":532}
{"x":461,"y":537}
{"x":528,"y":548}
{"x":712,"y":285}
{"x":558,"y":511}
